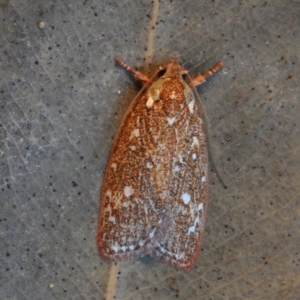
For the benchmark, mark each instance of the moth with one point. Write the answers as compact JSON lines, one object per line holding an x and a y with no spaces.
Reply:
{"x":154,"y":193}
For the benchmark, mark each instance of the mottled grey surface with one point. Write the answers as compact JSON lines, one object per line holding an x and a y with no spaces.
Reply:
{"x":61,"y":101}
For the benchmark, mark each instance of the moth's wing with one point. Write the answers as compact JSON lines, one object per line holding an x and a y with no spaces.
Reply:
{"x":188,"y":201}
{"x":131,"y":213}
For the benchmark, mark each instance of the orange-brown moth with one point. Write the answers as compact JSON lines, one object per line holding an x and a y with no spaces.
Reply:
{"x":154,"y":193}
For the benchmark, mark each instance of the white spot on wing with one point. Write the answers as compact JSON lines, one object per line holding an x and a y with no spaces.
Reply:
{"x":132,"y":148}
{"x":112,"y":219}
{"x":191,"y":107}
{"x":180,"y":256}
{"x":115,"y":247}
{"x":200,"y":206}
{"x":150,"y":101}
{"x":195,"y":142}
{"x":162,"y":249}
{"x":194,"y":156}
{"x":134,"y":133}
{"x":128,"y":191}
{"x":151,"y":235}
{"x":149,"y":165}
{"x":171,"y":120}
{"x":114,"y":166}
{"x":173,"y":95}
{"x":146,"y":210}
{"x":186,"y":198}
{"x":131,"y":247}
{"x":193,"y":228}
{"x":141,"y":243}
{"x":203,"y":179}
{"x":176,"y":169}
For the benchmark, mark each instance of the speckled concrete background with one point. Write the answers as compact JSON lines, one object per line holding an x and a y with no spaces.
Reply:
{"x":61,"y":101}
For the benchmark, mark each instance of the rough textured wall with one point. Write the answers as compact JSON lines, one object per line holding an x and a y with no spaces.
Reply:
{"x":61,"y":101}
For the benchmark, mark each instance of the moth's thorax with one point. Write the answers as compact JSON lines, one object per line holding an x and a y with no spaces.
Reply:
{"x":170,"y":92}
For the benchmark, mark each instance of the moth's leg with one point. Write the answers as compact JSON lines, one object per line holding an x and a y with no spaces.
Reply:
{"x":138,"y":75}
{"x":201,"y":78}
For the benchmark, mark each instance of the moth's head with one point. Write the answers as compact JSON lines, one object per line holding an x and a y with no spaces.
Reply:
{"x":174,"y":69}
